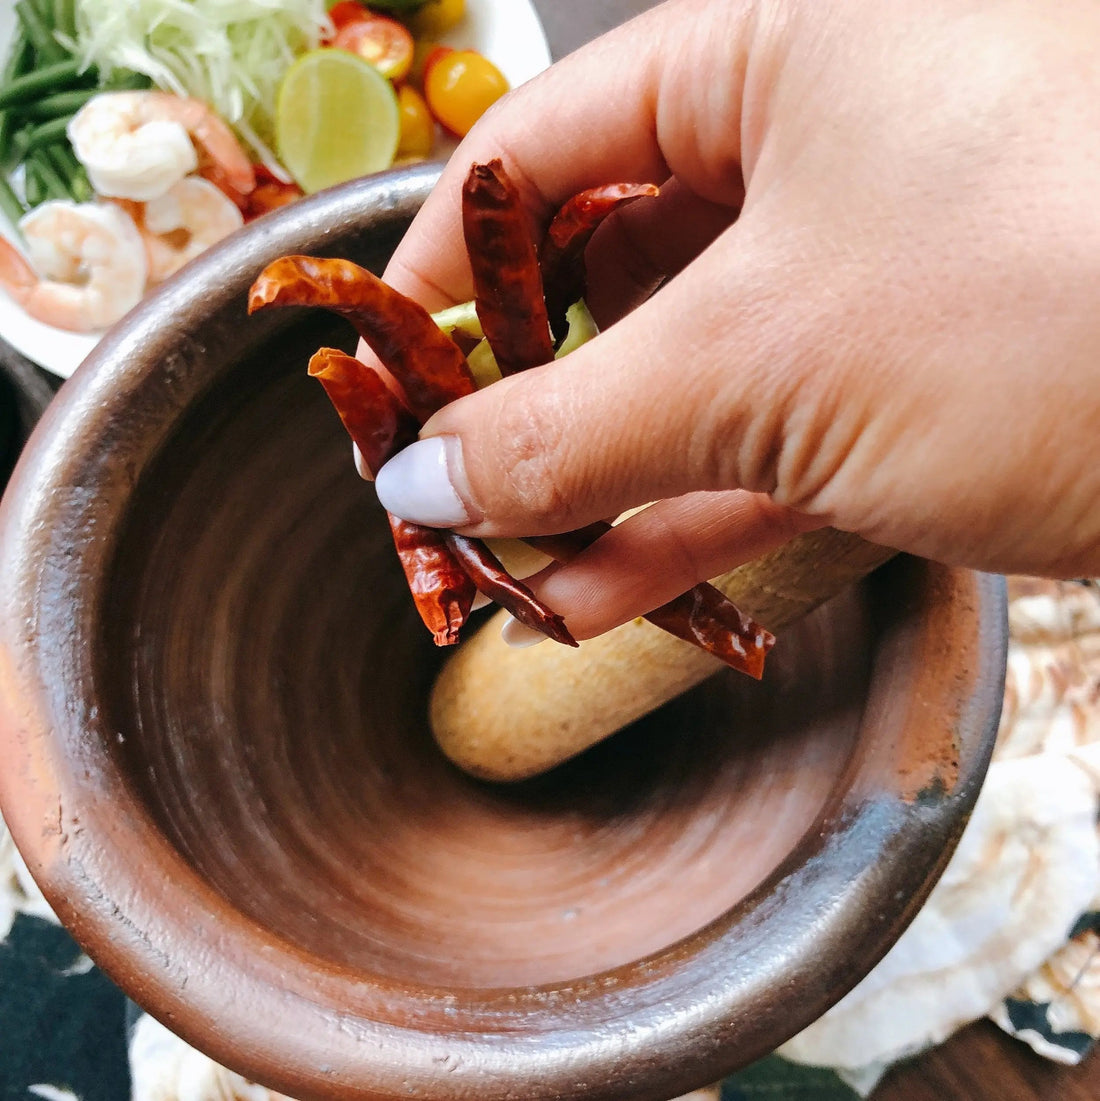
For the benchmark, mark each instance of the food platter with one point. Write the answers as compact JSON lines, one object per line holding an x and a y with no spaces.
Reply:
{"x":506,"y":31}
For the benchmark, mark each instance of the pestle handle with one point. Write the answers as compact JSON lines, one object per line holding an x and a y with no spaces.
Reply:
{"x":507,"y":714}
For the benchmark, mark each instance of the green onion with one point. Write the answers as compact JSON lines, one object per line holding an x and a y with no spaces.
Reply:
{"x":51,"y":78}
{"x":10,"y":203}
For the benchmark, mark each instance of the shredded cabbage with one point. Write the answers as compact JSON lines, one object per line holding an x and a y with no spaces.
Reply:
{"x":230,"y":53}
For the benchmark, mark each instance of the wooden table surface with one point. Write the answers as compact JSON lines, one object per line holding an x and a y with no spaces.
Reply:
{"x":979,"y":1063}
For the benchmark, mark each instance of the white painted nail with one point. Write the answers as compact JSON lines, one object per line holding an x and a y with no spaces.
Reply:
{"x":519,"y":635}
{"x":416,"y":484}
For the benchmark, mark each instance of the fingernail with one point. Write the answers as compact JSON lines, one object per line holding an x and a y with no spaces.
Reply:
{"x":417,"y":483}
{"x":360,"y":463}
{"x":519,"y":635}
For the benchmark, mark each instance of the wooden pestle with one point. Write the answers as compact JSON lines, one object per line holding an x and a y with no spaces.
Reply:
{"x":508,"y":714}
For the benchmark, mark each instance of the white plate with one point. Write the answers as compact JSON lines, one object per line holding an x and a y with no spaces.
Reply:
{"x":506,"y":31}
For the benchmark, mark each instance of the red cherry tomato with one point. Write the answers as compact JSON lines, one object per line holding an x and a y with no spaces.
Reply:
{"x":460,"y":87}
{"x":343,"y":13}
{"x":382,"y":41}
{"x":270,"y":193}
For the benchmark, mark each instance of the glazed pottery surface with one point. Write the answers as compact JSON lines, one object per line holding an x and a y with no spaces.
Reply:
{"x":213,"y":691}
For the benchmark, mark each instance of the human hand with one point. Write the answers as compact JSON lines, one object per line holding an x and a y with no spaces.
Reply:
{"x":885,"y":240}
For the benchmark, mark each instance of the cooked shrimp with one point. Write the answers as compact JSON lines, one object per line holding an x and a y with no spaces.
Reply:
{"x":177,"y":226}
{"x":136,"y":145}
{"x":87,"y":265}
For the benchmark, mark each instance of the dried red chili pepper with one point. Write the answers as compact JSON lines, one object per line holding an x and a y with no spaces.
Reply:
{"x":495,"y":227}
{"x":425,"y":361}
{"x":703,"y":615}
{"x":706,"y":618}
{"x":442,"y":577}
{"x":497,"y":584}
{"x":380,"y":426}
{"x":507,"y":283}
{"x":371,"y":412}
{"x":441,"y":588}
{"x":432,"y":372}
{"x":561,"y":255}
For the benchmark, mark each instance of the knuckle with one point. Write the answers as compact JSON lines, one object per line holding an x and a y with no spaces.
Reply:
{"x":530,"y":485}
{"x":791,"y":441}
{"x":681,"y":563}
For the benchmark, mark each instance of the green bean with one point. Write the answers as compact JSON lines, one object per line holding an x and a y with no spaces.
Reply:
{"x":32,"y":185}
{"x":71,"y":171}
{"x":7,"y":132}
{"x":124,"y":81}
{"x":38,"y":136}
{"x":64,"y":17}
{"x":13,"y":151}
{"x":62,"y":157}
{"x":80,"y":187}
{"x":10,"y":203}
{"x":50,"y":78}
{"x":20,"y":57}
{"x":38,"y":31}
{"x":52,"y":183}
{"x":60,"y":103}
{"x":55,"y":155}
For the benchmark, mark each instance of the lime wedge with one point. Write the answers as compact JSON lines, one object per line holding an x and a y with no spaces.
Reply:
{"x":336,"y":119}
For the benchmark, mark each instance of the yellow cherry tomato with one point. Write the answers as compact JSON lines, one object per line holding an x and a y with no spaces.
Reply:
{"x":460,"y":87}
{"x":417,"y":124}
{"x":435,"y":18}
{"x":425,"y":54}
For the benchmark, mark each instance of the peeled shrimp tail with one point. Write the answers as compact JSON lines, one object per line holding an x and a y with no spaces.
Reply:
{"x":184,"y":222}
{"x":222,"y":159}
{"x":17,"y":277}
{"x":139,"y":144}
{"x":87,"y":265}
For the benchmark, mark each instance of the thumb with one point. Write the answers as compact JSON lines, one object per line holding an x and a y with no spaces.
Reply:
{"x":693,"y":390}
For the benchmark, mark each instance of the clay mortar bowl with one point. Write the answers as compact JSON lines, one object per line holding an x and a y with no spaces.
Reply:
{"x":216,"y":759}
